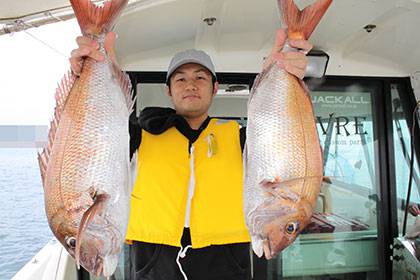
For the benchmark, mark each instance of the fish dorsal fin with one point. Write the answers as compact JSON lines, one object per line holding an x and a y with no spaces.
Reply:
{"x":125,"y":84}
{"x":94,"y":19}
{"x":96,"y":208}
{"x":301,"y":24}
{"x":61,"y":95}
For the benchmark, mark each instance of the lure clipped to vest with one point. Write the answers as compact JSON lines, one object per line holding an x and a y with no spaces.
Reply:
{"x":283,"y":160}
{"x":85,"y":168}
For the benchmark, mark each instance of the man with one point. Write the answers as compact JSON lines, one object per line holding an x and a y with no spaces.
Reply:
{"x":186,"y":219}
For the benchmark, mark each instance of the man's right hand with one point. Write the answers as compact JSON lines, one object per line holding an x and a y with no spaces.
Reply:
{"x":90,"y":48}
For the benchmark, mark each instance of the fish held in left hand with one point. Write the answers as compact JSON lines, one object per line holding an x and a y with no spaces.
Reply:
{"x":85,"y":168}
{"x":283,"y":159}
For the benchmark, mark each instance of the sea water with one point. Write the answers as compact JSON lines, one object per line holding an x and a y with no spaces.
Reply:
{"x":23,"y":224}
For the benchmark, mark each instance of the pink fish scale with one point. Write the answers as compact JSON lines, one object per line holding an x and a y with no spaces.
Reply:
{"x":281,"y":146}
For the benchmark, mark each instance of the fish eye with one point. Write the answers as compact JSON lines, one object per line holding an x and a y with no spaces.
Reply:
{"x":292,"y":227}
{"x":70,"y":242}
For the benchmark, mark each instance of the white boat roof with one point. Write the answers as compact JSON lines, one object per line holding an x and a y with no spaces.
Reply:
{"x":150,"y":31}
{"x":20,"y":8}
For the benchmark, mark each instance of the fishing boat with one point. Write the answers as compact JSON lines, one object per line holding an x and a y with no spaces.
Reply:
{"x":364,"y":80}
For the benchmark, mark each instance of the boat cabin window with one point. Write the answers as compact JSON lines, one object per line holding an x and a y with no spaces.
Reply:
{"x":401,"y":124}
{"x":351,"y":229}
{"x":341,"y":240}
{"x":229,"y":102}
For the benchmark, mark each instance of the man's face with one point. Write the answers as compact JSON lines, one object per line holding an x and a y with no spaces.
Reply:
{"x":192,"y":90}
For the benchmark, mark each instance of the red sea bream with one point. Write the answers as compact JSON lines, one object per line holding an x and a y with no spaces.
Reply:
{"x":86,"y":167}
{"x":283,"y":160}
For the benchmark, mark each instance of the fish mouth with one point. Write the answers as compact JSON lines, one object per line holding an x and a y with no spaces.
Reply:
{"x":105,"y":266}
{"x":98,"y":269}
{"x":99,"y":251}
{"x":100,"y":265}
{"x":109,"y":265}
{"x":272,"y":248}
{"x":267,"y":249}
{"x":267,"y":226}
{"x":268,"y":246}
{"x":91,"y":261}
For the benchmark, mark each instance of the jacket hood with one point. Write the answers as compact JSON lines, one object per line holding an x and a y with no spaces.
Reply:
{"x":156,"y":120}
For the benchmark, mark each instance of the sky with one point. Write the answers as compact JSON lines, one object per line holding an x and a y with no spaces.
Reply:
{"x":30,"y":71}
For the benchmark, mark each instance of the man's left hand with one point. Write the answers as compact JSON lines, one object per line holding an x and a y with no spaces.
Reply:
{"x":293,"y":62}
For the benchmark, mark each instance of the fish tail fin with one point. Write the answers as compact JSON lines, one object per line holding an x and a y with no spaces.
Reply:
{"x":97,"y":207}
{"x":94,"y":19}
{"x":301,"y":24}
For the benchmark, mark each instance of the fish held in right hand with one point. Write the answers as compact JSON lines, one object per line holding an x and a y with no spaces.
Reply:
{"x":88,"y":47}
{"x":85,"y":168}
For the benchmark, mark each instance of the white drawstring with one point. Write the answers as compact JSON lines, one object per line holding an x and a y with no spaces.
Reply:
{"x":191,"y":186}
{"x":181,"y":254}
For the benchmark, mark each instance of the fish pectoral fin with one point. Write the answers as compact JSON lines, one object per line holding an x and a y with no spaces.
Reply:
{"x":285,"y":183}
{"x":282,"y":189}
{"x":329,"y":179}
{"x":284,"y":193}
{"x":95,"y":209}
{"x":278,"y":188}
{"x":326,"y":179}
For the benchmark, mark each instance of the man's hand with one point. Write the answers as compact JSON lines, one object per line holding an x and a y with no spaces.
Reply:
{"x":414,"y":210}
{"x":90,"y":48}
{"x":293,"y":62}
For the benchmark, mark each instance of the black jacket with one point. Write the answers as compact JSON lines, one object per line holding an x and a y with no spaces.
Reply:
{"x":156,"y":120}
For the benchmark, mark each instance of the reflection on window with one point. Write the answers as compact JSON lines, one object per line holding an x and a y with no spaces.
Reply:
{"x":402,"y":150}
{"x":344,"y":123}
{"x":340,"y":242}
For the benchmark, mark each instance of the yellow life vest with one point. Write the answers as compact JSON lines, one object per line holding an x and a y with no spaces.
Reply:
{"x":160,"y":195}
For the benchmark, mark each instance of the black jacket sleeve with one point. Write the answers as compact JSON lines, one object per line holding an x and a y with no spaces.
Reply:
{"x":135,"y":135}
{"x":242,"y":137}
